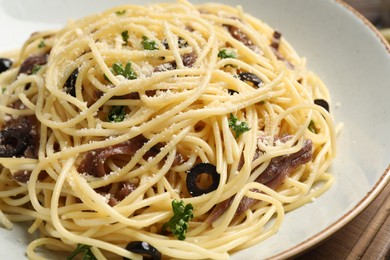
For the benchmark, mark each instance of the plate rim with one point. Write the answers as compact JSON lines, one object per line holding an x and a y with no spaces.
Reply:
{"x":364,"y":202}
{"x":339,"y":223}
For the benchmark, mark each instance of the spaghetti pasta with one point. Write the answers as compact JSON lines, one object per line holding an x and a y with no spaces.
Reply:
{"x":104,"y":121}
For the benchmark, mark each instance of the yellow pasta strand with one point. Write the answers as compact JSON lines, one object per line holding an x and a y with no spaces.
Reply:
{"x":177,"y":81}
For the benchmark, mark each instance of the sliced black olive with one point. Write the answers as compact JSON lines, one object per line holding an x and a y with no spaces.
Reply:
{"x":192,"y":179}
{"x":143,"y":248}
{"x":322,"y":103}
{"x":13,"y":142}
{"x":70,"y":84}
{"x":232,"y":91}
{"x":247,"y":76}
{"x":5,"y":64}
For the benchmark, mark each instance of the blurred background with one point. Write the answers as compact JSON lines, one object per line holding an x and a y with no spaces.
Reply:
{"x":376,"y":11}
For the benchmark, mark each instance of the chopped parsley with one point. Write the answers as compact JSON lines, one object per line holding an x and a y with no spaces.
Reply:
{"x":127,"y":71}
{"x":125,"y":37}
{"x":84,"y":250}
{"x":42,"y":44}
{"x":3,"y":89}
{"x":117,"y":114}
{"x":237,"y":126}
{"x":120,"y":12}
{"x":35,"y":69}
{"x":227,"y":53}
{"x":312,"y":127}
{"x":178,"y":224}
{"x":148,"y":44}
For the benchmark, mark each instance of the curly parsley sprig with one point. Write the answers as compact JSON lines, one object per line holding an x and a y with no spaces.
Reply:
{"x":127,"y":71}
{"x":178,"y":224}
{"x":238,"y":127}
{"x":117,"y":114}
{"x":227,"y":53}
{"x":149,"y":44}
{"x":125,"y":37}
{"x":85,"y":252}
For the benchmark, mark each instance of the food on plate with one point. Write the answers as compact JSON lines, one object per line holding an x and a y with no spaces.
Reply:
{"x":169,"y":131}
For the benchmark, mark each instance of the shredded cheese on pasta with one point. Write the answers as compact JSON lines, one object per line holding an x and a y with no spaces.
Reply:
{"x":178,"y":74}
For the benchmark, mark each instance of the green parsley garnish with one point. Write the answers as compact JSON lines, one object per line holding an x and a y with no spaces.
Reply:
{"x":125,"y":37}
{"x":3,"y":89}
{"x":178,"y":224}
{"x":227,"y":53}
{"x":127,"y":71}
{"x":117,"y":114}
{"x":238,"y":127}
{"x":148,"y":44}
{"x":312,"y":127}
{"x":35,"y":69}
{"x":84,"y":250}
{"x":42,"y":44}
{"x":121,"y":12}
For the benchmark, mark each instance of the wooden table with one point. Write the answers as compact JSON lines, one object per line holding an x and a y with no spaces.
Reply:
{"x":365,"y":237}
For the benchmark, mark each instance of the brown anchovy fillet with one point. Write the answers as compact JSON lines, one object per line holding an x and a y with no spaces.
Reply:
{"x":93,"y":161}
{"x":275,"y":43}
{"x":123,"y":192}
{"x":276,"y":40}
{"x":23,"y":176}
{"x":273,"y":176}
{"x":188,"y":61}
{"x":28,"y":64}
{"x":237,"y":34}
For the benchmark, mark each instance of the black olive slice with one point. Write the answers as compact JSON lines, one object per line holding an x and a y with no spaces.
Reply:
{"x":70,"y":84}
{"x":143,"y":248}
{"x":5,"y":64}
{"x":195,"y":172}
{"x":247,"y":76}
{"x":322,"y":103}
{"x":232,"y":92}
{"x":13,"y":142}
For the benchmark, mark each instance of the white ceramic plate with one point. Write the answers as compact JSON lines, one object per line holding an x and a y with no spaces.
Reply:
{"x":340,"y":46}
